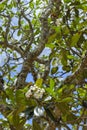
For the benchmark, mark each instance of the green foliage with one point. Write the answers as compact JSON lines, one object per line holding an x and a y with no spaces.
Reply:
{"x":39,"y":82}
{"x":54,"y":70}
{"x":26,"y":29}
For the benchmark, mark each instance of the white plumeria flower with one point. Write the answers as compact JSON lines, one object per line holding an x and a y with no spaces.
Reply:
{"x":38,"y":111}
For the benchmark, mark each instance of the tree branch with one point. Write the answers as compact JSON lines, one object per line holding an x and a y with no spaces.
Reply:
{"x":12,"y":47}
{"x":47,"y":70}
{"x":78,"y":77}
{"x":41,"y":61}
{"x":31,"y":33}
{"x":34,"y":73}
{"x":31,"y":56}
{"x":7,"y":29}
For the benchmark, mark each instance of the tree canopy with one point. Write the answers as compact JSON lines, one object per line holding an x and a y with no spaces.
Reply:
{"x":43,"y":64}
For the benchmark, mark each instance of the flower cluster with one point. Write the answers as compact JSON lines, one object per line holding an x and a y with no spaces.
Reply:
{"x":35,"y":91}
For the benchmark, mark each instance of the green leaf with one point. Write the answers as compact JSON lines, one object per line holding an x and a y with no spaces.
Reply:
{"x":67,"y":1}
{"x":10,"y":117}
{"x":10,"y":93}
{"x":63,"y":56}
{"x":50,"y":45}
{"x":55,"y":62}
{"x":67,"y":99}
{"x":15,"y":119}
{"x":71,"y":57}
{"x":57,"y":29}
{"x":39,"y":82}
{"x":2,"y":6}
{"x":50,"y":89}
{"x":65,"y":30}
{"x":19,"y":33}
{"x":54,"y":70}
{"x":31,"y":5}
{"x":75,"y":39}
{"x":51,"y":38}
{"x":20,"y":98}
{"x":52,"y":83}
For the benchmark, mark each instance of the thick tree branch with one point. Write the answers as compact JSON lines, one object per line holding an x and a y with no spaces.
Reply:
{"x":31,"y":56}
{"x":78,"y":77}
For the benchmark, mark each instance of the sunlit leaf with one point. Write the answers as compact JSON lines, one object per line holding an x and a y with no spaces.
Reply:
{"x":75,"y":38}
{"x":52,"y":83}
{"x":39,"y":82}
